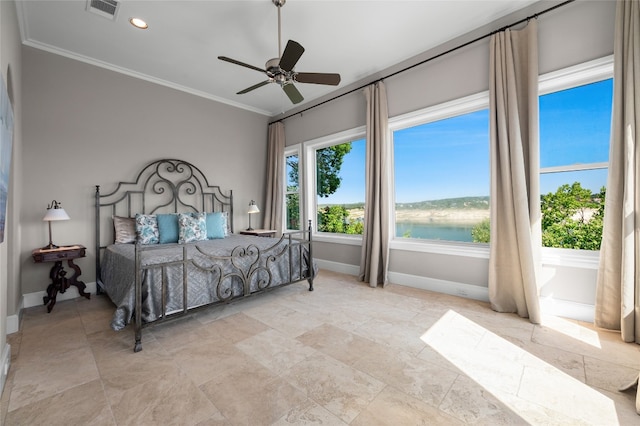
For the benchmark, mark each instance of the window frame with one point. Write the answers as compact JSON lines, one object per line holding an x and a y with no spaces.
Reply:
{"x":454,"y":108}
{"x":566,"y":78}
{"x":290,"y":151}
{"x":310,"y":187}
{"x":569,"y":78}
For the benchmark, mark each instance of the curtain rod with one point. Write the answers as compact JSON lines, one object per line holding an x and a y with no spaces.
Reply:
{"x":424,"y":61}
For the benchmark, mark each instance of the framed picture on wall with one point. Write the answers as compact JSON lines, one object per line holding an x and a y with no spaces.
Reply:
{"x":6,"y":142}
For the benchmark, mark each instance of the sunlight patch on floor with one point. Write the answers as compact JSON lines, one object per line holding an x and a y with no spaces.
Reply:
{"x":572,"y":330}
{"x":527,"y":385}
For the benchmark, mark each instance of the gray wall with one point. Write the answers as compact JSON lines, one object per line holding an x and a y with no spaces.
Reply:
{"x":87,"y":126}
{"x":11,"y":70}
{"x":11,"y":60}
{"x":572,"y":34}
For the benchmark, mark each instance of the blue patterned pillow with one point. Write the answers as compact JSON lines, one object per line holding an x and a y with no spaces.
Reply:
{"x":225,"y":218}
{"x":168,"y":228}
{"x":193,"y":227}
{"x":147,"y":229}
{"x":216,"y":225}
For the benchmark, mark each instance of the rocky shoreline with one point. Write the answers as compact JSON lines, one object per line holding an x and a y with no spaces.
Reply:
{"x":466,"y":216}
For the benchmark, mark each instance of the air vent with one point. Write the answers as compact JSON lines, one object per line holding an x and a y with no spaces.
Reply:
{"x":106,"y":8}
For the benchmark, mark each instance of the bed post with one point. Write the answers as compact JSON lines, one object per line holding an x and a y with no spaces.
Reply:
{"x":97,"y":252}
{"x":138,"y":314}
{"x":311,"y":272}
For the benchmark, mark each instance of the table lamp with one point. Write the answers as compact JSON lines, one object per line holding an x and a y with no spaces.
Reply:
{"x":54,"y":212}
{"x":252,"y":210}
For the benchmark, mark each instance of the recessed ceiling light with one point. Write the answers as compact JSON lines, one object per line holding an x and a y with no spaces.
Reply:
{"x":139,"y":23}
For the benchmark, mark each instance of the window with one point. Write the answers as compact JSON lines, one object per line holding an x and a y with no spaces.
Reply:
{"x":441,"y":164}
{"x":575,"y":127}
{"x":292,"y":190}
{"x":338,"y":182}
{"x":441,"y":172}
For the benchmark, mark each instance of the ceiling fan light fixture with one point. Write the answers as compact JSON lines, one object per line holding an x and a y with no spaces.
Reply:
{"x":138,"y":23}
{"x":281,"y":69}
{"x":281,"y":79}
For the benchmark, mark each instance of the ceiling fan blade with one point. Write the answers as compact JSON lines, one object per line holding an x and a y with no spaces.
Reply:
{"x":255,"y":86}
{"x":318,"y":78}
{"x":293,"y":93}
{"x":291,"y":54}
{"x":242,"y":64}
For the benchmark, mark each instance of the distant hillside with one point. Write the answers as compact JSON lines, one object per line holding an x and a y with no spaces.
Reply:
{"x":447,"y":203}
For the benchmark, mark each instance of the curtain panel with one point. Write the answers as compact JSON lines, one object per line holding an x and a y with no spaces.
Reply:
{"x":618,"y":285}
{"x":374,"y":259}
{"x":514,"y":261}
{"x":275,"y":175}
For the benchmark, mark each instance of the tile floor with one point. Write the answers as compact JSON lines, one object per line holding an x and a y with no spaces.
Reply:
{"x":345,"y":354}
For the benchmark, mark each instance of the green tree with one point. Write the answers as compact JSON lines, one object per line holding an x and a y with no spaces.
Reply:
{"x":293,"y":199}
{"x":328,"y":164}
{"x":335,"y":219}
{"x":481,"y":232}
{"x":293,"y":211}
{"x":572,"y":217}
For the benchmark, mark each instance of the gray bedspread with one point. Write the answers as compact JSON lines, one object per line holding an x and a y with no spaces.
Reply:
{"x":217,"y":271}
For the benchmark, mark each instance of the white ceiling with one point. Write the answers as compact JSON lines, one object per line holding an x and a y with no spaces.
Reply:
{"x":355,"y":38}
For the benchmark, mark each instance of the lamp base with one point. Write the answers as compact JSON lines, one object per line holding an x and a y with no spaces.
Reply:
{"x":250,"y":229}
{"x":50,"y":246}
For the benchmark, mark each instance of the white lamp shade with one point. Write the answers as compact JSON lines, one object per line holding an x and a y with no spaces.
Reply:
{"x":55,"y":214}
{"x":253,"y":209}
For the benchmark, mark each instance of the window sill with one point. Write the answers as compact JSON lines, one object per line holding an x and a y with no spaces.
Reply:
{"x":586,"y":259}
{"x":353,"y":240}
{"x":442,"y":247}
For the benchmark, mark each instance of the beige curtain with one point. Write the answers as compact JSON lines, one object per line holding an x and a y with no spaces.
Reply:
{"x":514,"y":262}
{"x":375,"y":241}
{"x":618,"y":288}
{"x":275,"y":174}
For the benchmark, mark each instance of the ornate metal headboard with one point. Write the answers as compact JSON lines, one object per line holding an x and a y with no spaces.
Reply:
{"x":163,"y":186}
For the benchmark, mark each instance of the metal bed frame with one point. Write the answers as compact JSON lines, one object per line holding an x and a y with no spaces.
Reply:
{"x":177,"y":186}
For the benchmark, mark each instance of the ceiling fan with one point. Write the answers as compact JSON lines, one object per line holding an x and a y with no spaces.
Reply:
{"x":280,"y":70}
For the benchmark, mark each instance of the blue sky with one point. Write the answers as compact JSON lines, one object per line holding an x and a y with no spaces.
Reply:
{"x":450,"y":158}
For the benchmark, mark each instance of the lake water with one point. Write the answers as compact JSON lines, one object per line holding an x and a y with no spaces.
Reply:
{"x":435,"y":231}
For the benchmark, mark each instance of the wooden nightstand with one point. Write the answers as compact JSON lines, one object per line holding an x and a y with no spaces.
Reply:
{"x":260,"y":232}
{"x":59,"y":281}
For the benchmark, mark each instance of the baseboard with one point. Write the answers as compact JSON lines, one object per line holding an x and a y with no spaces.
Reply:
{"x":35,"y":299}
{"x":338,"y":267}
{"x":13,"y":321}
{"x":4,"y":366}
{"x":548,"y":306}
{"x":440,"y":286}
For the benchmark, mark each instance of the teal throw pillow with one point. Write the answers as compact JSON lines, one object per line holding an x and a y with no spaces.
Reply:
{"x":168,"y":228}
{"x":216,"y":225}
